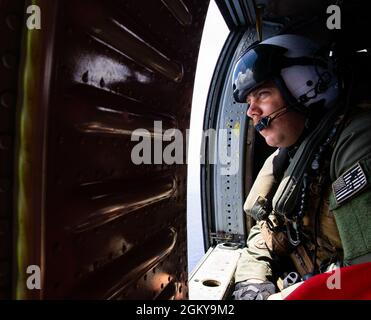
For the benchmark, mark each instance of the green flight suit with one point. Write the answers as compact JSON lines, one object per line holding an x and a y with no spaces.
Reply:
{"x":352,"y":231}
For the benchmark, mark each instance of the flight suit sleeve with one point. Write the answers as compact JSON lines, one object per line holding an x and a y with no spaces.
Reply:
{"x":255,"y":261}
{"x":262,"y":184}
{"x":350,"y":199}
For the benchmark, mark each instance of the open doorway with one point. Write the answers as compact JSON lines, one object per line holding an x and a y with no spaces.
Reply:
{"x":214,"y":35}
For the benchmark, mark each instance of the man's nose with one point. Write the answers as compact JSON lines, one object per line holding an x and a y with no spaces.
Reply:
{"x":252,"y":108}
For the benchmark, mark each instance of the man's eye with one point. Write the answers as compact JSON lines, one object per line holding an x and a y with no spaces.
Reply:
{"x":263,"y":94}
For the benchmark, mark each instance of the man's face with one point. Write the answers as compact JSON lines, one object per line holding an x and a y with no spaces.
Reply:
{"x":283,"y":131}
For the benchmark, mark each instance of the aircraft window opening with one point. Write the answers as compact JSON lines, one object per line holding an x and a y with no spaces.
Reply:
{"x":214,"y":35}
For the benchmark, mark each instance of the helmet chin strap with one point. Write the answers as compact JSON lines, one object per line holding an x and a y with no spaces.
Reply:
{"x":266,"y":121}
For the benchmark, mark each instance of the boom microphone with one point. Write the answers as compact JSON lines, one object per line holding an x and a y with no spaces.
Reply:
{"x":267,"y":120}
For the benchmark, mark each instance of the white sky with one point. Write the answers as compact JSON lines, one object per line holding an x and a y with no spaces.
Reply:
{"x":213,"y":38}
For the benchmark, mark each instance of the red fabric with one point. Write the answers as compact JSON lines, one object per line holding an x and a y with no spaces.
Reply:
{"x":348,"y":283}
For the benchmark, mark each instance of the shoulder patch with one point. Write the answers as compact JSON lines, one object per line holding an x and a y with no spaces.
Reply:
{"x":349,"y":183}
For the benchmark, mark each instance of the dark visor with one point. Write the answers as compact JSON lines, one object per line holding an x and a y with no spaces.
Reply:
{"x":256,"y":66}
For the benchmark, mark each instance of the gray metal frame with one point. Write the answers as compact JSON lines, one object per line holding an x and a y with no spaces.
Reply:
{"x":228,"y":195}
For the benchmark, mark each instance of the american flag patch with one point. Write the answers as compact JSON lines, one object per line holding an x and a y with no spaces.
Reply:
{"x":349,"y":183}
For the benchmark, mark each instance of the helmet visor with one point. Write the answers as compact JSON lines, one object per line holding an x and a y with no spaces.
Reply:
{"x":256,"y":66}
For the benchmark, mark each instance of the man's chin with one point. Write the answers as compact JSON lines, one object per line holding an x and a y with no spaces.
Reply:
{"x":265,"y":133}
{"x":270,"y":142}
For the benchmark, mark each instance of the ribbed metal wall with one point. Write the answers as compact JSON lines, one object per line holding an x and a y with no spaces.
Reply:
{"x":109,"y":229}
